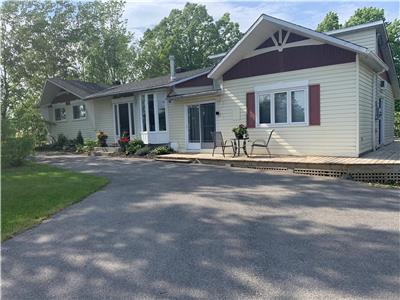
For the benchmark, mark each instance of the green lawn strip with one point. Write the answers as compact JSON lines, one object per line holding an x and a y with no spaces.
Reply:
{"x":34,"y":192}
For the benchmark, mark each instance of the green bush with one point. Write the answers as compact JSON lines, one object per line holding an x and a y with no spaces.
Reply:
{"x":14,"y":149}
{"x":62,"y":141}
{"x":160,"y":150}
{"x":89,"y":146}
{"x":134,"y":146}
{"x":79,"y":139}
{"x":79,"y":148}
{"x":143,"y":151}
{"x":397,"y":124}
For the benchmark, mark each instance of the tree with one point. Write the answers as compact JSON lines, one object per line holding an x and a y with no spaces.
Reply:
{"x":71,"y":40}
{"x":330,"y":22}
{"x":190,"y":34}
{"x":393,"y":32}
{"x":104,"y":42}
{"x":365,"y":15}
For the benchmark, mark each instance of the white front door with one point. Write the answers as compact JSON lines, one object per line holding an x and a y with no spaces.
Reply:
{"x":200,"y":126}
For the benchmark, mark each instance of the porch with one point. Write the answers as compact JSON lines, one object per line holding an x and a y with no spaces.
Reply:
{"x":382,"y":165}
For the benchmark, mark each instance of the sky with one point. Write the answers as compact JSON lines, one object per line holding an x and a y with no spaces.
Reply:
{"x":143,"y":14}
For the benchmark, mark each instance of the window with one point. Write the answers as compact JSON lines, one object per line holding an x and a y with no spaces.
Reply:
{"x":153,"y":112}
{"x":60,"y":114}
{"x":287,"y":107}
{"x":162,"y":122}
{"x":298,"y":106}
{"x":79,"y":112}
{"x":143,"y":109}
{"x":265,"y":109}
{"x":132,"y":118}
{"x":116,"y":119}
{"x":152,"y":120}
{"x":280,"y":101}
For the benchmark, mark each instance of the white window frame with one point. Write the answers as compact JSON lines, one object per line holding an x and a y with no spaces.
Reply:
{"x":66,"y":115}
{"x":156,"y":98}
{"x":116,"y":104}
{"x":81,"y":118}
{"x":288,"y":88}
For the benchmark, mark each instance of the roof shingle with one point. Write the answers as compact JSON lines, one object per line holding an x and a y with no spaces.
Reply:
{"x":148,"y":84}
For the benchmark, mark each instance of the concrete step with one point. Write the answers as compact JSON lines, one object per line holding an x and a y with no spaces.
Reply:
{"x":174,"y":160}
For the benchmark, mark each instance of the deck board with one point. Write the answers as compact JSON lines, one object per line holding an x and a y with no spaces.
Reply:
{"x":389,"y":154}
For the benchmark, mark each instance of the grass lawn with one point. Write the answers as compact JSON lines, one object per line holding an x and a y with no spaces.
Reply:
{"x":33,"y":192}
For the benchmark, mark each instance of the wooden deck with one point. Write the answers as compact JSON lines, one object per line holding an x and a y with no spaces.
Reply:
{"x":379,"y":166}
{"x":387,"y":155}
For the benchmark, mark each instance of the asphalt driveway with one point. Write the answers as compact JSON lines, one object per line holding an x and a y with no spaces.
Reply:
{"x":171,"y":231}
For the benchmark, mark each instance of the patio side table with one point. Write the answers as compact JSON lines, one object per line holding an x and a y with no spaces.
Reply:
{"x":240,"y":143}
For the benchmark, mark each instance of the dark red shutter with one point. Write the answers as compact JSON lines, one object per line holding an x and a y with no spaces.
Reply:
{"x":314,"y":104}
{"x":251,"y":110}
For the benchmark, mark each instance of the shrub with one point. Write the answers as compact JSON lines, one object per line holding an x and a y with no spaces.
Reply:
{"x":397,"y":124}
{"x":160,"y":150}
{"x":89,"y":146}
{"x":143,"y":151}
{"x":134,"y":146}
{"x":79,"y":148}
{"x":62,"y":141}
{"x":14,"y":150}
{"x":79,"y":139}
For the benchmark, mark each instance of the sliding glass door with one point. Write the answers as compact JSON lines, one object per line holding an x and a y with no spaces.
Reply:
{"x":201,"y":125}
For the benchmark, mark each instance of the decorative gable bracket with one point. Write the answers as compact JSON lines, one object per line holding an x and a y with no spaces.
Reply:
{"x":280,"y":44}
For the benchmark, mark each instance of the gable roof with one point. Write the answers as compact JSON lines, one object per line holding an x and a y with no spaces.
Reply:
{"x":266,"y":26}
{"x":355,"y":28}
{"x":75,"y":88}
{"x":383,"y":45}
{"x":79,"y":88}
{"x":149,"y":84}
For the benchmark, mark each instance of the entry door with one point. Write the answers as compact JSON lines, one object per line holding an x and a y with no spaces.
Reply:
{"x":123,"y":111}
{"x":379,"y":121}
{"x":201,"y":125}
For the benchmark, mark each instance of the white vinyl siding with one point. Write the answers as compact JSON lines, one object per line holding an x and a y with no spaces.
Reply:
{"x":337,"y":134}
{"x":104,"y":118}
{"x":366,"y":107}
{"x":177,"y":121}
{"x":70,"y":127}
{"x":365,"y":38}
{"x":388,"y":114}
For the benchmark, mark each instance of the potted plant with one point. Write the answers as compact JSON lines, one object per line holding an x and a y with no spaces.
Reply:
{"x":124,"y":141}
{"x":101,"y":139}
{"x":240,"y":131}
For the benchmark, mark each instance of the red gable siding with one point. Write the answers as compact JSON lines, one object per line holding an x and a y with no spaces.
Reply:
{"x":290,"y":59}
{"x":195,"y":82}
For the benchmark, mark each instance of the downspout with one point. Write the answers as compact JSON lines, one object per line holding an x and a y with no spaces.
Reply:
{"x":357,"y":106}
{"x":374,"y":91}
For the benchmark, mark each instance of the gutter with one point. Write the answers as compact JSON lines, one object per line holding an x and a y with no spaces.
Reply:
{"x":195,"y":94}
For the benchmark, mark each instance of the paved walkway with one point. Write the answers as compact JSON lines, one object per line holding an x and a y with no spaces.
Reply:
{"x":174,"y":231}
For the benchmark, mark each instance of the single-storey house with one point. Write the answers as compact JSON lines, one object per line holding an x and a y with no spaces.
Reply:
{"x":323,"y":93}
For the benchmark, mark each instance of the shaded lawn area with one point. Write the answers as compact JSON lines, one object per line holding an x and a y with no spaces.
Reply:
{"x":33,"y":192}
